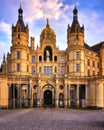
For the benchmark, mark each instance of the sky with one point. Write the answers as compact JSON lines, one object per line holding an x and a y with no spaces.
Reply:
{"x":59,"y":13}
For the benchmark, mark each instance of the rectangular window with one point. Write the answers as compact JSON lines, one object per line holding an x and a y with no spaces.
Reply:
{"x":18,"y":67}
{"x":98,"y":64}
{"x":93,"y":63}
{"x":77,"y":68}
{"x":27,"y":56}
{"x":33,"y":59}
{"x":62,"y":70}
{"x":88,"y":62}
{"x":33,"y":70}
{"x":18,"y":55}
{"x":77,"y":36}
{"x":45,"y":70}
{"x":88,"y":72}
{"x":18,"y":36}
{"x":93,"y":73}
{"x":62,"y":59}
{"x":77,"y":56}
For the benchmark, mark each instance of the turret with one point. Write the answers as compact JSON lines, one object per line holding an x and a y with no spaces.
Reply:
{"x":19,"y":49}
{"x":20,"y":32}
{"x":75,"y":33}
{"x":32,"y":43}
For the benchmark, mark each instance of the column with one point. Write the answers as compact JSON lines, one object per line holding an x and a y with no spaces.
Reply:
{"x":30,"y":94}
{"x":56,"y":96}
{"x":86,"y":94}
{"x":20,"y":88}
{"x":38,"y":95}
{"x":96,"y":95}
{"x":103,"y":96}
{"x":69,"y":95}
{"x":77,"y":95}
{"x":65,"y":95}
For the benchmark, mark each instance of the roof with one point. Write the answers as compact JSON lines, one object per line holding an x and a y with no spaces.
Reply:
{"x":21,"y":22}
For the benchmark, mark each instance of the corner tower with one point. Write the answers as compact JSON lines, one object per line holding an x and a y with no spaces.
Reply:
{"x":19,"y":48}
{"x":75,"y":33}
{"x":20,"y":32}
{"x":75,"y":49}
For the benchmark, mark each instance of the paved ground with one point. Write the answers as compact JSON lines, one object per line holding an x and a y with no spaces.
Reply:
{"x":51,"y":119}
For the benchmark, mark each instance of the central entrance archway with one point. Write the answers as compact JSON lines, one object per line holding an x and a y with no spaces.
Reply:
{"x":48,"y":97}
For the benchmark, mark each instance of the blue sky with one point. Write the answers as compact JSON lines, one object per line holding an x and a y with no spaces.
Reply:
{"x":59,"y":12}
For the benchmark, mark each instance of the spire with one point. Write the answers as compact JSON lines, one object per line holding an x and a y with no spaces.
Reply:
{"x":20,"y":13}
{"x":47,"y":25}
{"x":75,"y":11}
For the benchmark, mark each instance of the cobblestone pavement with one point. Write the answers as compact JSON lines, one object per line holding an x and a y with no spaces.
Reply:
{"x":51,"y":119}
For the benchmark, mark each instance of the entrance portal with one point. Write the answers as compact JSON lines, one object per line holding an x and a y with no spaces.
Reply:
{"x":47,"y":97}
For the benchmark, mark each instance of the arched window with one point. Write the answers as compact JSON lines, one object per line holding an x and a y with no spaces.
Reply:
{"x":61,"y":96}
{"x":47,"y":53}
{"x":61,"y":87}
{"x":40,"y":58}
{"x":55,"y":58}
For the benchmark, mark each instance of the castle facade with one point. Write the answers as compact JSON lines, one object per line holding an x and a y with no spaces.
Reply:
{"x":47,"y":76}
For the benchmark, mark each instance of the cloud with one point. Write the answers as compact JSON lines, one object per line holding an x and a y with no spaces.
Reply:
{"x":37,"y":9}
{"x":93,"y":25}
{"x":6,"y":28}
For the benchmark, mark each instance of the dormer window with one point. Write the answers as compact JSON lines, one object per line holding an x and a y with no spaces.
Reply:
{"x":18,"y":36}
{"x":19,"y":30}
{"x":76,"y":29}
{"x":77,"y":37}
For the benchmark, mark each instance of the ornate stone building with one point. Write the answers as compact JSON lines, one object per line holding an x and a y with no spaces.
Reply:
{"x":47,"y":76}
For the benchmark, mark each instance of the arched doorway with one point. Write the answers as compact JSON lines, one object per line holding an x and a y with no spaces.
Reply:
{"x":48,"y":97}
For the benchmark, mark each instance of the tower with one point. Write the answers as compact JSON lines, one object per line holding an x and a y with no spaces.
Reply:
{"x":75,"y":51}
{"x":75,"y":33}
{"x":19,"y":51}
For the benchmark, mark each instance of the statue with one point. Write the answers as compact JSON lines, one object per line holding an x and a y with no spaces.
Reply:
{"x":47,"y":54}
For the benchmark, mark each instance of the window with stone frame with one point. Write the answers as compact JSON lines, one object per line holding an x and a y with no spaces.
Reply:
{"x":33,"y":59}
{"x":40,"y":58}
{"x":62,"y":59}
{"x":93,"y":63}
{"x":33,"y":70}
{"x":18,"y":55}
{"x":62,"y":70}
{"x":88,"y":62}
{"x":77,"y":68}
{"x":77,"y":55}
{"x":18,"y":67}
{"x":88,"y":73}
